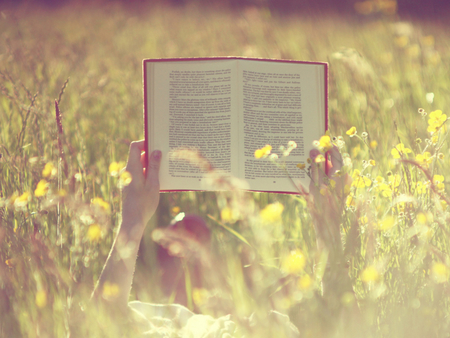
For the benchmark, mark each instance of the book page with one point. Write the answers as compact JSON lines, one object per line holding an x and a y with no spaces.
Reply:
{"x":280,"y":102}
{"x":191,"y":105}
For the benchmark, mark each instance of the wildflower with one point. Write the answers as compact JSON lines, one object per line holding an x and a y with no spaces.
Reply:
{"x":423,"y":218}
{"x":443,"y":204}
{"x":386,"y":224}
{"x":294,"y":263}
{"x":418,"y":140}
{"x":364,"y":135}
{"x":304,"y":282}
{"x":49,"y":170}
{"x":429,"y":97}
{"x":101,"y":204}
{"x":22,"y":200}
{"x":200,"y":296}
{"x":350,"y":201}
{"x":272,"y":212}
{"x":351,"y":132}
{"x":435,"y":121}
{"x":399,"y":150}
{"x":372,"y":163}
{"x":384,"y":190}
{"x":41,"y":188}
{"x":363,"y":220}
{"x":273,"y":156}
{"x":94,"y":233}
{"x":373,"y":144}
{"x":41,"y":299}
{"x":263,"y":152}
{"x":115,"y":168}
{"x":301,"y":166}
{"x":229,"y":215}
{"x":440,"y":156}
{"x":319,"y":158}
{"x":440,"y":272}
{"x":424,"y":159}
{"x":421,"y":188}
{"x":370,"y":274}
{"x":125,"y":179}
{"x":421,"y":111}
{"x":438,"y":181}
{"x":325,"y":143}
{"x":360,"y":181}
{"x":175,"y":210}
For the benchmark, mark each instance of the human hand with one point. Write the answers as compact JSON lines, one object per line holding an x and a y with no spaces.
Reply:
{"x":141,"y":196}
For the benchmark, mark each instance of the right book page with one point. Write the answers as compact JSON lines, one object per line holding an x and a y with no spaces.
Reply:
{"x":279,"y":102}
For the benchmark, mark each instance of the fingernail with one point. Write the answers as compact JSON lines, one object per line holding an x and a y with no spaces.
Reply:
{"x":157,"y":155}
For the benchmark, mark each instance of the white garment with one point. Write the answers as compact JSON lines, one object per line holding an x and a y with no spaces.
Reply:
{"x":175,"y":321}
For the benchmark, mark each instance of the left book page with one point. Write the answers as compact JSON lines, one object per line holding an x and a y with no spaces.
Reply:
{"x":191,"y":104}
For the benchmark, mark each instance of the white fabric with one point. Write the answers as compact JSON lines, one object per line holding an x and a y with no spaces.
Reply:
{"x":175,"y":321}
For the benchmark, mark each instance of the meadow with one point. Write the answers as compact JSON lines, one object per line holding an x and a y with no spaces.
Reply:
{"x":372,"y":259}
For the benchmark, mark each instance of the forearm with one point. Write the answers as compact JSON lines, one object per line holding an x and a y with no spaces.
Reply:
{"x":114,"y":284}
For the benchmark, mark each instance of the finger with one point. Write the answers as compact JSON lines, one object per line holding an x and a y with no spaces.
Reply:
{"x":336,"y":160}
{"x":134,"y":166}
{"x":316,"y":168}
{"x":153,"y":169}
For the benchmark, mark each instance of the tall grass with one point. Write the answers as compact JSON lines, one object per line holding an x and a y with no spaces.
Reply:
{"x":60,"y":207}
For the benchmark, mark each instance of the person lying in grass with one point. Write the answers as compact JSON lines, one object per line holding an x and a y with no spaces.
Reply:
{"x":140,"y":200}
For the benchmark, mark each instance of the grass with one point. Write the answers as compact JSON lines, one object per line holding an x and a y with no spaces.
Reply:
{"x":388,"y":271}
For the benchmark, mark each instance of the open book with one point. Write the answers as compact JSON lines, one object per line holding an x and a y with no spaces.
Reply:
{"x":229,"y":107}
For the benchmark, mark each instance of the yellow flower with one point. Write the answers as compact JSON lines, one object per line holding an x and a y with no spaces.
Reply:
{"x":49,"y":170}
{"x":421,"y":188}
{"x":304,"y":282}
{"x":41,"y":188}
{"x":22,"y":200}
{"x":41,"y":299}
{"x":229,"y":215}
{"x":370,"y":274}
{"x":399,"y":150}
{"x":384,"y":190}
{"x":325,"y":143}
{"x":294,"y":262}
{"x":263,"y":152}
{"x":424,"y":159}
{"x":440,"y":272}
{"x":351,"y":132}
{"x":350,"y":201}
{"x":200,"y":296}
{"x":94,"y":233}
{"x":125,"y":179}
{"x":443,"y":204}
{"x":319,"y":158}
{"x":115,"y":168}
{"x":101,"y":204}
{"x":176,"y":210}
{"x":373,"y":144}
{"x":387,"y":223}
{"x":360,"y":181}
{"x":301,"y":166}
{"x":436,"y":119}
{"x":272,"y":212}
{"x":372,"y":162}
